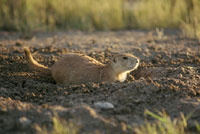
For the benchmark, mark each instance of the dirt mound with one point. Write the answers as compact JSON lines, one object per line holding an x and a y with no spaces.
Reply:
{"x":168,"y":78}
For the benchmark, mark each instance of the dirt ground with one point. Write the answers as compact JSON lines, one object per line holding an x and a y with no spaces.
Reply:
{"x":168,"y":78}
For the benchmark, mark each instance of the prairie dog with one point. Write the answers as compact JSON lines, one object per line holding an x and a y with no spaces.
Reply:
{"x":78,"y":68}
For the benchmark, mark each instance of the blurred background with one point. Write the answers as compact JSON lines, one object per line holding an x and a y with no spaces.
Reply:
{"x":90,"y":15}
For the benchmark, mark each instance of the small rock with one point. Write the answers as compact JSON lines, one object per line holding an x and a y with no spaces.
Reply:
{"x":104,"y":105}
{"x":48,"y":114}
{"x":17,"y":97}
{"x":19,"y":44}
{"x":4,"y":90}
{"x":3,"y":110}
{"x":59,"y":109}
{"x":156,"y":89}
{"x":24,"y":122}
{"x":180,"y":75}
{"x":137,"y":101}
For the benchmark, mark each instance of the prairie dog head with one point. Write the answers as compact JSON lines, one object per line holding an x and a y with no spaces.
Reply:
{"x":124,"y":62}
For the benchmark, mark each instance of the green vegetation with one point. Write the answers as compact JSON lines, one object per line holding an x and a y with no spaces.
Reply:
{"x":159,"y":13}
{"x":191,"y":25}
{"x":59,"y":127}
{"x":164,"y":125}
{"x":60,"y":14}
{"x":36,"y":15}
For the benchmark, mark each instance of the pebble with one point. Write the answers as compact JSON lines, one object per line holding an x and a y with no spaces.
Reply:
{"x":104,"y":105}
{"x":24,"y":122}
{"x":4,"y":90}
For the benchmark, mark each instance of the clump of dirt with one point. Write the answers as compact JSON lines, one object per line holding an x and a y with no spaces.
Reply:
{"x":168,"y":78}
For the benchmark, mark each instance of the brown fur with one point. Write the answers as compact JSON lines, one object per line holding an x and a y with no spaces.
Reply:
{"x":78,"y":68}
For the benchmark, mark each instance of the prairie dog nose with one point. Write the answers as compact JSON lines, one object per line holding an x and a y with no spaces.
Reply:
{"x":138,"y":61}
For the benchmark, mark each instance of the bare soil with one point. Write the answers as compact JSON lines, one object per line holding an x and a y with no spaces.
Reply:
{"x":168,"y":78}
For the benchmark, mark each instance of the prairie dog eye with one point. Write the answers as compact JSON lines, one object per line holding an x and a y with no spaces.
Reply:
{"x":125,"y":58}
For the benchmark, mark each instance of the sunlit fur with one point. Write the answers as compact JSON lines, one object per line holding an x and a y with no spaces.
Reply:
{"x":78,"y":68}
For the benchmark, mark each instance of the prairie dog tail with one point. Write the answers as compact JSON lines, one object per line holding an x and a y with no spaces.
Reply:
{"x":34,"y":64}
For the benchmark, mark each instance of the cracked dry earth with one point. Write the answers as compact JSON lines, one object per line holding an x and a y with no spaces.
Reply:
{"x":168,"y":78}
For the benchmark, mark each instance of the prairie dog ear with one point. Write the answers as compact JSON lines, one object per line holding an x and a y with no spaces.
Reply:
{"x":114,"y":60}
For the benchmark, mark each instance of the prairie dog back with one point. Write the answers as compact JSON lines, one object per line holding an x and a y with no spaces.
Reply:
{"x":76,"y":69}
